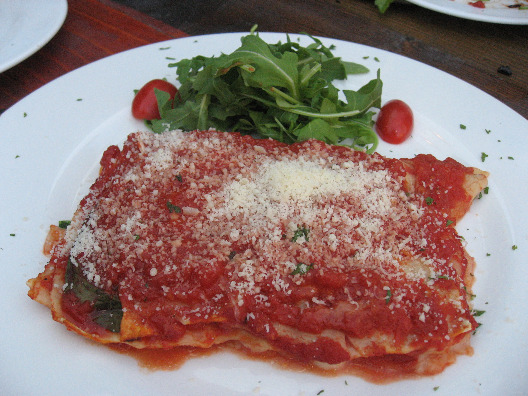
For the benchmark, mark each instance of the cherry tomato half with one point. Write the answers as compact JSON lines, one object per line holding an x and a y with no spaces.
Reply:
{"x":395,"y":122}
{"x":145,"y":105}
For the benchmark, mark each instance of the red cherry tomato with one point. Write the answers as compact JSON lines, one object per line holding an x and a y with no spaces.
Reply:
{"x":145,"y":105}
{"x":395,"y":122}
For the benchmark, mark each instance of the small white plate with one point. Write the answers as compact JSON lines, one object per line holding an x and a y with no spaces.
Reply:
{"x":496,"y":11}
{"x":26,"y":26}
{"x":53,"y":139}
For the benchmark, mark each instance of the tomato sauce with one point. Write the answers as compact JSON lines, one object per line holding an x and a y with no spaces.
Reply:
{"x":166,"y":228}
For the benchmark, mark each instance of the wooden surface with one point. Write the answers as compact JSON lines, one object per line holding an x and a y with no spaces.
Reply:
{"x":470,"y":50}
{"x":93,"y":30}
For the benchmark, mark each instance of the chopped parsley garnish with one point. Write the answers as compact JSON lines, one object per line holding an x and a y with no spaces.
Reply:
{"x":232,"y":255}
{"x":449,"y":222}
{"x":136,"y":237}
{"x":388,"y":296}
{"x":179,"y":178}
{"x":320,"y":392}
{"x":462,"y":126}
{"x":488,"y":254}
{"x":477,"y":312}
{"x":514,"y":247}
{"x":64,"y":223}
{"x":483,"y":157}
{"x":510,"y":158}
{"x":436,"y":388}
{"x":173,"y":208}
{"x":301,"y":269}
{"x":488,"y":131}
{"x":301,"y":232}
{"x":486,"y":190}
{"x":12,"y":235}
{"x":429,"y":200}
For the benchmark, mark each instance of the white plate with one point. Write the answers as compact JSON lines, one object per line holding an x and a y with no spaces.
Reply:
{"x":495,"y":10}
{"x":27,"y":25}
{"x":51,"y":144}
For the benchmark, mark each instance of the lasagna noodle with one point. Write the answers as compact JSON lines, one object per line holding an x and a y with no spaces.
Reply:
{"x":320,"y":253}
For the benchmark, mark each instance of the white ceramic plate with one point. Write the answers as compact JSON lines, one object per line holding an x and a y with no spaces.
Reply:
{"x":51,"y":144}
{"x":495,"y":11}
{"x":27,"y":25}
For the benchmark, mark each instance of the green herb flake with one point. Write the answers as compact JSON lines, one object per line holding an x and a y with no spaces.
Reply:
{"x":232,"y":255}
{"x":462,"y":126}
{"x":488,"y":131}
{"x":488,"y":254}
{"x":64,"y":223}
{"x":137,"y":237}
{"x":301,"y":269}
{"x":483,"y":157}
{"x":179,"y":178}
{"x":429,"y":200}
{"x":12,"y":235}
{"x":388,"y":296}
{"x":486,"y":190}
{"x":79,"y":99}
{"x":436,"y":388}
{"x":510,"y":158}
{"x":320,"y":392}
{"x":25,"y":114}
{"x":173,"y":208}
{"x":514,"y":247}
{"x":301,"y":232}
{"x":449,"y":222}
{"x":477,"y":312}
{"x":17,"y":156}
{"x":164,"y":48}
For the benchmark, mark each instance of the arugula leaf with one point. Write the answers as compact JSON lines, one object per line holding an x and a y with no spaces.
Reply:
{"x":107,"y":308}
{"x":282,"y":91}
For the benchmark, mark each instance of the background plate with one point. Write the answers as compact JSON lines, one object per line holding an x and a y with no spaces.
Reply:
{"x":51,"y":144}
{"x":496,"y":14}
{"x":26,"y":26}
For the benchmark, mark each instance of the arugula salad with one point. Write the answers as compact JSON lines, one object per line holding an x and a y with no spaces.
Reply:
{"x":282,"y":91}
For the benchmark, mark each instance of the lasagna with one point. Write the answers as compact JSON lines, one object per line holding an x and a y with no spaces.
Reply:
{"x":316,"y":253}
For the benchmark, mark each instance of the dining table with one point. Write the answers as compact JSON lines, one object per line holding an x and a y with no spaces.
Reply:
{"x":44,"y":172}
{"x":491,"y":56}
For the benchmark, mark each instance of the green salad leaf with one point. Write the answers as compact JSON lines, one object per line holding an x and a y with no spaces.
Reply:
{"x":282,"y":91}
